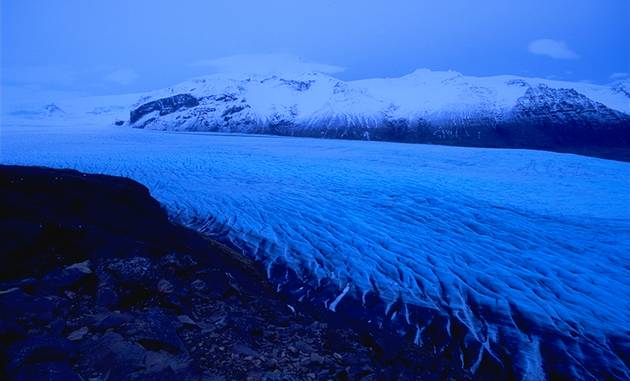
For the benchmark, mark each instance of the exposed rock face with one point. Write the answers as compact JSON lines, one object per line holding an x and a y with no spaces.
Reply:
{"x":52,"y":109}
{"x":622,"y":87}
{"x":566,"y":117}
{"x":96,"y":283}
{"x":164,"y":106}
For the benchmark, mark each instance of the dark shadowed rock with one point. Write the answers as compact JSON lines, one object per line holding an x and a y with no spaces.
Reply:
{"x":16,"y":303}
{"x":107,"y":297}
{"x":36,"y":349}
{"x":155,"y":330}
{"x":79,"y":334}
{"x":112,"y":320}
{"x":547,"y":117}
{"x":47,"y":371}
{"x":131,"y":271}
{"x":164,"y":106}
{"x":67,"y":278}
{"x":112,"y":353}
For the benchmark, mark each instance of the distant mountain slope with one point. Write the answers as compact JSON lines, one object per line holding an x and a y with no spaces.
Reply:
{"x":422,"y":107}
{"x":425,"y":106}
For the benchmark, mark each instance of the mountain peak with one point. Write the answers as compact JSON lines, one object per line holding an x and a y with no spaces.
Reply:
{"x":433,"y":74}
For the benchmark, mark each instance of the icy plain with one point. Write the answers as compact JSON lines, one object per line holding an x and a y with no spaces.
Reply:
{"x":527,"y":252}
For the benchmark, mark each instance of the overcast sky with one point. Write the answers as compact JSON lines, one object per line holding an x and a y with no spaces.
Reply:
{"x":113,"y":46}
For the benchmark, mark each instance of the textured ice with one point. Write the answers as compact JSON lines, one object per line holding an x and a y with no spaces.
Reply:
{"x":510,"y":258}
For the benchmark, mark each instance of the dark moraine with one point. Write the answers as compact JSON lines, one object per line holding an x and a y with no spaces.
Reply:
{"x":96,"y":283}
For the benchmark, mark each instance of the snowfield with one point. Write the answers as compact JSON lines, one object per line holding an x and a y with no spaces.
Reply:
{"x":514,"y":260}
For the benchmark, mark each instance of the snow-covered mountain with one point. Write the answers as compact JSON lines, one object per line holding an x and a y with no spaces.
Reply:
{"x":425,"y":106}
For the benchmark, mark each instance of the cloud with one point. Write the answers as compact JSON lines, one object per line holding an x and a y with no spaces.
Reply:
{"x":51,"y":76}
{"x":122,"y":76}
{"x":65,"y":77}
{"x":266,"y":63}
{"x":555,"y":49}
{"x":29,"y":97}
{"x":618,"y":76}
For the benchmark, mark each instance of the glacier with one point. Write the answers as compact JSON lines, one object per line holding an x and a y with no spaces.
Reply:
{"x":517,"y":262}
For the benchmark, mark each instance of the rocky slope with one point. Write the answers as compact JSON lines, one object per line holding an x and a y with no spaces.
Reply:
{"x":423,"y":107}
{"x":97,"y":284}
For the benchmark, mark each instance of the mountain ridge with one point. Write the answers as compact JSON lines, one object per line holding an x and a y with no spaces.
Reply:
{"x":422,"y":107}
{"x":425,"y":106}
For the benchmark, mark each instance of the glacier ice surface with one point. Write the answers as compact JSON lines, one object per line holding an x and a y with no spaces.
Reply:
{"x":508,"y":253}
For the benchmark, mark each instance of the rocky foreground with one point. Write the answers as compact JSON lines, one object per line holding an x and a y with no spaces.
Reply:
{"x":97,"y":284}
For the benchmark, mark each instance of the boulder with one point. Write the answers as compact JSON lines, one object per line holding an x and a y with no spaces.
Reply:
{"x":131,"y":271}
{"x":36,"y":349}
{"x":48,"y":371}
{"x":112,"y":320}
{"x":15,"y":303}
{"x":78,"y":334}
{"x":69,"y":277}
{"x":155,"y":330}
{"x":112,"y":353}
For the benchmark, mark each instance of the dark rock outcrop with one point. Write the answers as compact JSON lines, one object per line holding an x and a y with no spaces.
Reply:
{"x":164,"y":106}
{"x":564,"y":117}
